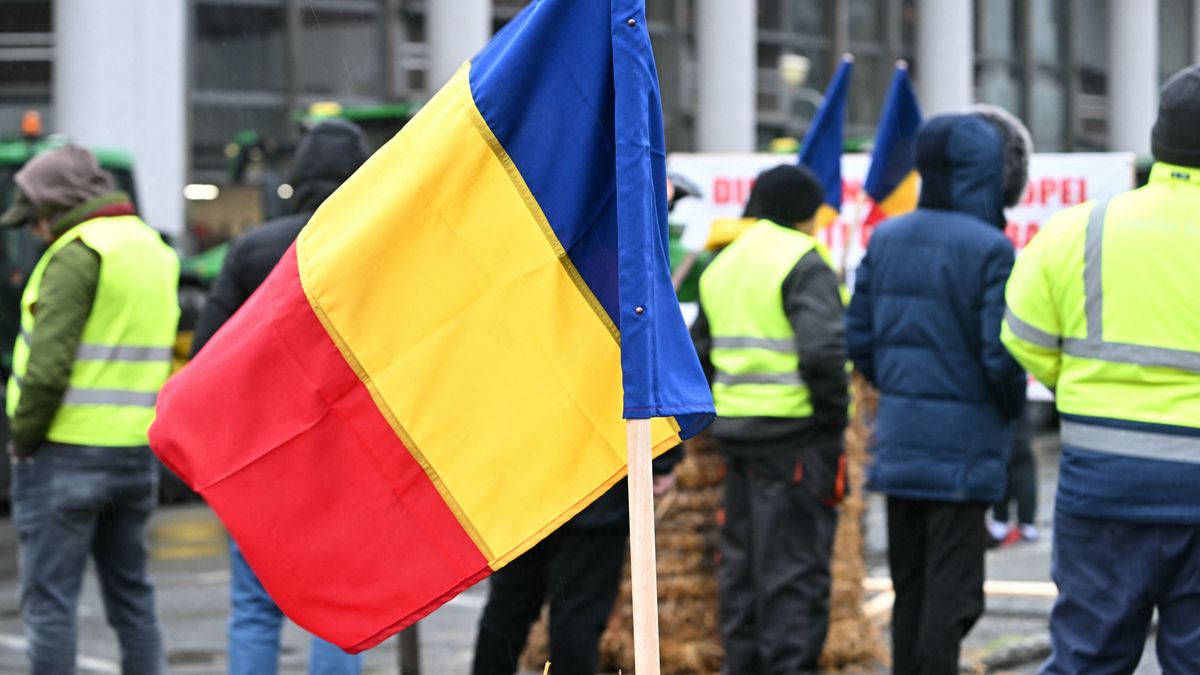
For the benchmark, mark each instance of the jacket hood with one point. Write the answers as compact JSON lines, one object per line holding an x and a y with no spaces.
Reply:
{"x":327,"y":155}
{"x":961,"y":162}
{"x":1018,"y":148}
{"x":57,"y":181}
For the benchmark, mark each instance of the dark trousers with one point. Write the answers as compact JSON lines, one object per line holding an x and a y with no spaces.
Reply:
{"x":935,"y":550}
{"x":579,"y":572}
{"x":776,"y":545}
{"x":1022,"y":476}
{"x":70,"y":503}
{"x":1111,"y":576}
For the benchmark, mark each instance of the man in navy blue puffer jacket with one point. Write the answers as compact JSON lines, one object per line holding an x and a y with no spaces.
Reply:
{"x":924,"y":327}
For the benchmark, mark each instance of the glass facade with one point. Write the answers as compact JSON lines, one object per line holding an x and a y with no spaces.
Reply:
{"x":26,"y":62}
{"x":255,"y":63}
{"x":820,"y":31}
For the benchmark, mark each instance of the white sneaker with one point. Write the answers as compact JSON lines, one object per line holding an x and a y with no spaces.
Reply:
{"x":998,"y":531}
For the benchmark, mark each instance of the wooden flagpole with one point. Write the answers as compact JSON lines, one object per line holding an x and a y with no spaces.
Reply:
{"x":643,"y":570}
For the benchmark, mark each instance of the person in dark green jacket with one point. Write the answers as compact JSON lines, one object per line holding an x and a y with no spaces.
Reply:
{"x":98,"y":320}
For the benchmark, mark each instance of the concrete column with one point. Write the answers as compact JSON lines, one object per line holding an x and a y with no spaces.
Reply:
{"x":1132,"y":74}
{"x":727,"y":75}
{"x":120,"y":81}
{"x":454,"y":30}
{"x":945,"y":68}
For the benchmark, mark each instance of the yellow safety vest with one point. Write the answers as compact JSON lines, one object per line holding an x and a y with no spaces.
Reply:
{"x":124,"y":355}
{"x":1103,"y":308}
{"x":753,"y":344}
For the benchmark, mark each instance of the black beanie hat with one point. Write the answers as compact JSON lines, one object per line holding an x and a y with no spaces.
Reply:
{"x":787,"y":194}
{"x":1176,"y":138}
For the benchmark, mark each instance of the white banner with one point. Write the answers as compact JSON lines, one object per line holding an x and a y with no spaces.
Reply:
{"x":1055,"y":182}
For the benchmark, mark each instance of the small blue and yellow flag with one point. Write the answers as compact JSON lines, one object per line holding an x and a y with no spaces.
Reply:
{"x":892,"y":180}
{"x":822,"y":147}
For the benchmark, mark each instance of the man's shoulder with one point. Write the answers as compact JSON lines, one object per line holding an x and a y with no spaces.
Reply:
{"x":76,"y":256}
{"x":272,"y":233}
{"x":263,"y":246}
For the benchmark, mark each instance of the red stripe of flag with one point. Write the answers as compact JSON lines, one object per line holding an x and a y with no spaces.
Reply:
{"x":366,"y":503}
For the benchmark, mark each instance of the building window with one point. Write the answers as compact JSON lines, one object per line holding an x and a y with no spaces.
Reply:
{"x":340,"y":54}
{"x":26,"y":62}
{"x":240,"y":48}
{"x":998,"y":60}
{"x":1023,"y":65}
{"x":1047,"y":95}
{"x":790,"y":28}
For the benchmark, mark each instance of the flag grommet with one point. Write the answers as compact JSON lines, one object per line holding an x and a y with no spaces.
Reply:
{"x":639,"y":310}
{"x":632,"y":23}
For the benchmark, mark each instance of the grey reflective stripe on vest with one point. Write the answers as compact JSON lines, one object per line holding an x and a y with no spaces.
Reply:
{"x":1094,"y":346}
{"x":124,"y":397}
{"x":1139,"y":355}
{"x":790,"y":378}
{"x":1130,"y":443}
{"x":88,"y":352}
{"x":783,"y":345}
{"x":1093,"y":277}
{"x":1030,"y":333}
{"x":26,"y":337}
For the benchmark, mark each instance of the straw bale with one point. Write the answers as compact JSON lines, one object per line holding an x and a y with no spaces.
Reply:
{"x":688,"y":552}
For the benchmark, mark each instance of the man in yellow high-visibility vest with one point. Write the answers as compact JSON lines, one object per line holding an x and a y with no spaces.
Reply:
{"x":98,"y":321}
{"x":1103,"y":309}
{"x":771,"y":337}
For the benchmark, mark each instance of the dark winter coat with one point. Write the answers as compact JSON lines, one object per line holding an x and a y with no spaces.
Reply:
{"x":327,"y":156}
{"x":924,"y":324}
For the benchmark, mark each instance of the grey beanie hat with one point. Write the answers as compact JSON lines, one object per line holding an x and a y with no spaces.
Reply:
{"x":1176,"y":136}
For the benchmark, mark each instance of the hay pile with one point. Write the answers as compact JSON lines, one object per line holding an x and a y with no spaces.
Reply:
{"x":853,"y":637}
{"x":687,"y":546}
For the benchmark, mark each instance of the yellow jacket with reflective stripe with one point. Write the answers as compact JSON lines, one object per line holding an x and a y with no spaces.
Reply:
{"x":1104,"y":308}
{"x":124,"y":354}
{"x":753,"y":343}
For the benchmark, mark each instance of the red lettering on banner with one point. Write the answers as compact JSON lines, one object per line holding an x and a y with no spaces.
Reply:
{"x":728,"y":191}
{"x":1028,"y":197}
{"x":721,"y":190}
{"x":1020,"y":234}
{"x":850,"y":190}
{"x":1056,"y":191}
{"x":1049,"y":187}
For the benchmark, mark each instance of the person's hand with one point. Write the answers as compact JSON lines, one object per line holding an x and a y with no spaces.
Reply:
{"x":663,"y":484}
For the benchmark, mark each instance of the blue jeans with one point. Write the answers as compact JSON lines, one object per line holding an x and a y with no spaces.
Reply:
{"x":1111,"y":576}
{"x":70,"y":501}
{"x":255,"y":622}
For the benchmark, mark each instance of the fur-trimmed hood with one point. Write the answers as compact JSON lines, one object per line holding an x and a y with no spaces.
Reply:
{"x":975,"y":163}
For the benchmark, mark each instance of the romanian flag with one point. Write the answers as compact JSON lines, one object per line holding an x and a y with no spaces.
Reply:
{"x":434,"y":377}
{"x":892,"y":181}
{"x":822,"y":147}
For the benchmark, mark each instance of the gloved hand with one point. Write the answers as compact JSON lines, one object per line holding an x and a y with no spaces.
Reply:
{"x":822,"y":466}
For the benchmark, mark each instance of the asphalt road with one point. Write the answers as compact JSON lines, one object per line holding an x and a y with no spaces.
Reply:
{"x":191,"y":573}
